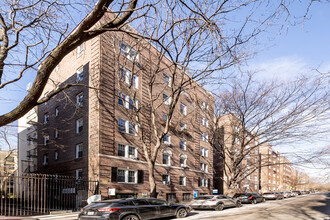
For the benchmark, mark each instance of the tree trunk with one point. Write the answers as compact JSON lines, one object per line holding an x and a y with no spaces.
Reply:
{"x":152,"y":182}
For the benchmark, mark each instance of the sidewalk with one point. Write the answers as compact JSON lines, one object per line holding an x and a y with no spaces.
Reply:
{"x":67,"y":216}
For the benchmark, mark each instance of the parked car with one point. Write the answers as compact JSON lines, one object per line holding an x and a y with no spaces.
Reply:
{"x":286,"y":194}
{"x":216,"y":202}
{"x":252,"y":198}
{"x":133,"y":209}
{"x":273,"y":195}
{"x":297,"y":192}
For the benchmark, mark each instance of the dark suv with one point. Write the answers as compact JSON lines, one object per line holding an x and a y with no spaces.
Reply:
{"x":252,"y":198}
{"x":133,"y":209}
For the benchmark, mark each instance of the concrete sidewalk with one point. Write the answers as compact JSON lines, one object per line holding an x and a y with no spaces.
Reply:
{"x":57,"y":216}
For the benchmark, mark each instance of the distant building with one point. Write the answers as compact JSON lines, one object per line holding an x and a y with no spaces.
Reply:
{"x":27,"y":142}
{"x":8,"y":163}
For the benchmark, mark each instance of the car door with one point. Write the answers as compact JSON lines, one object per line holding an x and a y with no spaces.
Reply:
{"x":164,"y":208}
{"x":230,"y":201}
{"x":145,"y":210}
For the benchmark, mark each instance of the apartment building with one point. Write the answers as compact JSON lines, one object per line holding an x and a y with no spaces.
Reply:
{"x":235,"y":145}
{"x":286,"y":172}
{"x":8,"y":162}
{"x":27,"y":142}
{"x":91,"y":131}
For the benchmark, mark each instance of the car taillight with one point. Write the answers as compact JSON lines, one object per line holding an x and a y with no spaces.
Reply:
{"x":250,"y":197}
{"x":108,"y":210}
{"x":212,"y":200}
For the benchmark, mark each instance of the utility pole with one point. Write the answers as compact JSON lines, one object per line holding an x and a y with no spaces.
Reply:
{"x":259,"y":179}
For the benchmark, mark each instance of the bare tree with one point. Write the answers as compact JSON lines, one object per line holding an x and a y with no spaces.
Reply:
{"x":250,"y":114}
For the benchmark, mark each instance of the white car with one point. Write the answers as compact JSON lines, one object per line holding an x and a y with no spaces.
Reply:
{"x":216,"y":202}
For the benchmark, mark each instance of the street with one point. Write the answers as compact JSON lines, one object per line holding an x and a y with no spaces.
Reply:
{"x":311,"y":207}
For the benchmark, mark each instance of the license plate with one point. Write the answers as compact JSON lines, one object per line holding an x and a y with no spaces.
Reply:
{"x":90,"y":213}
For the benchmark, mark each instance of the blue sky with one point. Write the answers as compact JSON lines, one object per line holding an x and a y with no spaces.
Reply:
{"x":298,"y":49}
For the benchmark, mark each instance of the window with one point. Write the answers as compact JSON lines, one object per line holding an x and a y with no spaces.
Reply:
{"x":186,"y":196}
{"x":56,"y":135}
{"x":204,"y":167}
{"x":166,"y":159}
{"x":79,"y":174}
{"x":255,"y":186}
{"x":57,"y":112}
{"x":80,"y":50}
{"x":183,"y":145}
{"x":167,"y":79}
{"x":204,"y":105}
{"x":183,"y":126}
{"x":183,"y":160}
{"x":202,"y":182}
{"x":167,"y":139}
{"x":126,"y":76}
{"x":127,"y":151}
{"x":46,"y":139}
{"x":205,"y":122}
{"x":204,"y":152}
{"x":255,"y":178}
{"x":46,"y":118}
{"x":79,"y":126}
{"x":128,"y":52}
{"x":183,"y":109}
{"x":126,"y":176}
{"x":166,"y":179}
{"x":79,"y":100}
{"x":182,"y":181}
{"x":80,"y":74}
{"x":166,"y":99}
{"x":126,"y":126}
{"x":126,"y":101}
{"x":45,"y":160}
{"x":56,"y":155}
{"x":204,"y":137}
{"x":79,"y":151}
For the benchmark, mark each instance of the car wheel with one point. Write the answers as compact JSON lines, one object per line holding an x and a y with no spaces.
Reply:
{"x":130,"y":217}
{"x":219,"y":207}
{"x":254,"y":201}
{"x":181,"y":213}
{"x":263,"y":200}
{"x":238,"y":204}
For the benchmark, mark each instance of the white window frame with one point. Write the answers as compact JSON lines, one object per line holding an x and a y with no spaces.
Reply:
{"x":205,"y":122}
{"x":167,"y":79}
{"x":184,"y":144}
{"x":56,"y":133}
{"x":183,"y":109}
{"x":203,"y":167}
{"x":167,"y":139}
{"x":184,"y":157}
{"x":80,"y":74}
{"x":128,"y":52}
{"x":167,"y":100}
{"x":183,"y":181}
{"x":125,"y":75}
{"x":80,"y":99}
{"x":57,"y":111}
{"x":56,"y":155}
{"x":127,"y":127}
{"x":46,"y":139}
{"x":46,"y":118}
{"x":204,"y":152}
{"x":80,"y":50}
{"x":204,"y":137}
{"x":183,"y":126}
{"x":126,"y":149}
{"x":126,"y":173}
{"x":79,"y":123}
{"x":126,"y":100}
{"x":79,"y":148}
{"x":168,"y":181}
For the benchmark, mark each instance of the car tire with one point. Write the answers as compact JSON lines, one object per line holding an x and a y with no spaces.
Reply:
{"x":181,"y":213}
{"x":263,"y":200}
{"x":219,"y":207}
{"x":254,"y":201}
{"x":238,"y":204}
{"x":130,"y":217}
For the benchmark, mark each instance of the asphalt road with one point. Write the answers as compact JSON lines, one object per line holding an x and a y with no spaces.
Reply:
{"x":311,"y":207}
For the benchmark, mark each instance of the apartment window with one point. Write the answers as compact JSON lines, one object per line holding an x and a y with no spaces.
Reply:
{"x":204,"y":136}
{"x":167,"y":139}
{"x":79,"y":125}
{"x":45,"y":160}
{"x":79,"y":174}
{"x":126,"y":76}
{"x":79,"y":100}
{"x":57,"y":68}
{"x":126,"y":101}
{"x":126,"y":126}
{"x":183,"y":126}
{"x":204,"y":122}
{"x":255,"y":187}
{"x":204,"y":152}
{"x":56,"y":135}
{"x":166,"y":99}
{"x":126,"y":176}
{"x":166,"y":179}
{"x":121,"y":176}
{"x":80,"y":74}
{"x":183,"y":145}
{"x":128,"y":51}
{"x":127,"y":151}
{"x":167,"y":79}
{"x":186,"y":196}
{"x":204,"y":167}
{"x":166,"y":159}
{"x":46,"y":118}
{"x":202,"y":182}
{"x":182,"y":181}
{"x":57,"y":112}
{"x":56,"y":155}
{"x":269,"y":181}
{"x":46,"y":139}
{"x":255,"y":178}
{"x":79,"y":151}
{"x":164,"y":117}
{"x":80,"y":50}
{"x":183,"y":109}
{"x":248,"y":177}
{"x":183,"y":160}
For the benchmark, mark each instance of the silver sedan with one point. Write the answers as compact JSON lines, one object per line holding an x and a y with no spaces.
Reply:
{"x":216,"y":202}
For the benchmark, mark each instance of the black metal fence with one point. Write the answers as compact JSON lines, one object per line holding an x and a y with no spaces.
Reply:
{"x":35,"y":194}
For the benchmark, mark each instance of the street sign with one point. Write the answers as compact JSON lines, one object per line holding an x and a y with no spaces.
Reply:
{"x":111,"y":192}
{"x":215,"y":191}
{"x":195,"y":194}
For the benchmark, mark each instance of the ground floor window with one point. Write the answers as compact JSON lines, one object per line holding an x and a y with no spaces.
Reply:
{"x":186,"y":197}
{"x":126,"y":195}
{"x":171,"y":197}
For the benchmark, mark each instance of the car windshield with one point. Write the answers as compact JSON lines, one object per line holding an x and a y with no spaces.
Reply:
{"x":203,"y":197}
{"x":240,"y":194}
